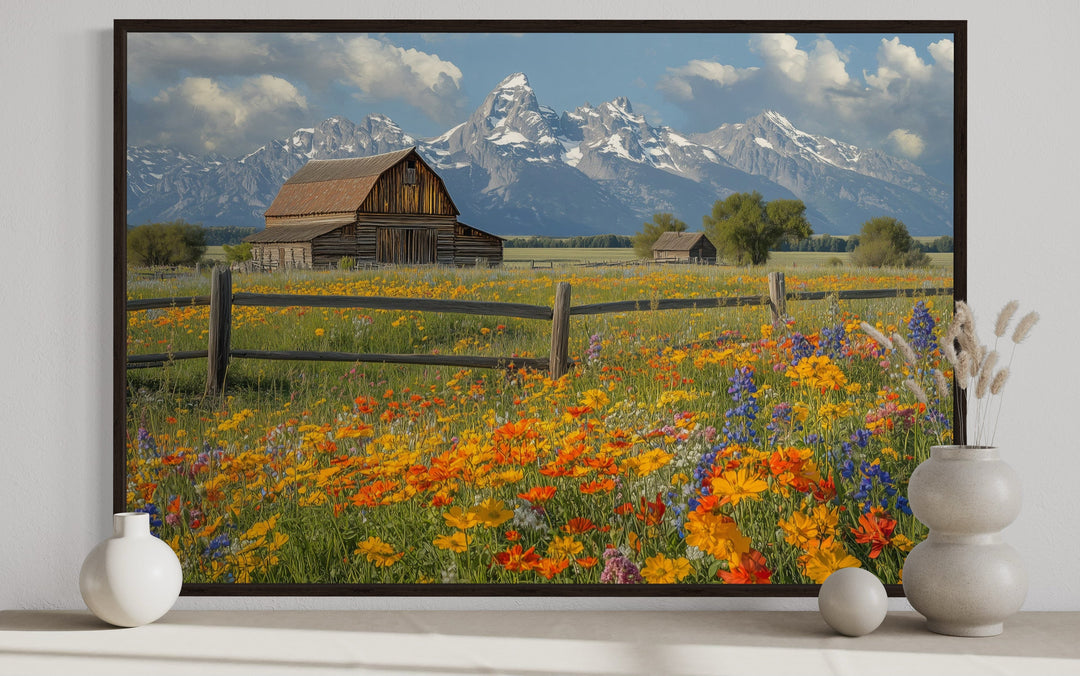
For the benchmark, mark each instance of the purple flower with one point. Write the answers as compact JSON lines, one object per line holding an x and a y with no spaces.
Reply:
{"x":618,"y":569}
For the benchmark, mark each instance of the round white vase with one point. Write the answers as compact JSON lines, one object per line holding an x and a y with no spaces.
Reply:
{"x":963,"y":578}
{"x":132,"y":578}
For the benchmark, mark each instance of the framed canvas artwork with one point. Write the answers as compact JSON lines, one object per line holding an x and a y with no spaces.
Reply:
{"x":534,"y":307}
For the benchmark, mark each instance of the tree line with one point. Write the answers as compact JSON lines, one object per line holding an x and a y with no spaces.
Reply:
{"x":179,"y":243}
{"x":579,"y":242}
{"x":745,"y":228}
{"x":829,"y":244}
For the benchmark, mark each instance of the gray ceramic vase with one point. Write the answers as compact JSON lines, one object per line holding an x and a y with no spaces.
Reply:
{"x":963,"y":578}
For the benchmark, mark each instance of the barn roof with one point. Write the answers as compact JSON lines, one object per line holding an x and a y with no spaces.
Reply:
{"x":481,"y":232}
{"x":292,"y":233}
{"x":677,"y":241}
{"x":332,"y":186}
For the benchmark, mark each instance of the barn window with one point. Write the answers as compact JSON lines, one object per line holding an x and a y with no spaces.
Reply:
{"x":410,"y":172}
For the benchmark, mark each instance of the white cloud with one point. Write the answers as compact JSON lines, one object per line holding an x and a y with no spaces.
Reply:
{"x":897,"y":62}
{"x":381,"y":70}
{"x":782,"y":54}
{"x":205,"y":113}
{"x":908,"y":144}
{"x":196,"y":87}
{"x":903,"y":107}
{"x":942,"y":51}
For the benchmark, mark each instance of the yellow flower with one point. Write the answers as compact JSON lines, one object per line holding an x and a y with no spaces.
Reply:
{"x":378,"y":552}
{"x":491,"y":512}
{"x":594,"y":398}
{"x":902,"y":542}
{"x":716,"y":536}
{"x":736,"y":485}
{"x":564,"y":547}
{"x":826,"y":559}
{"x":648,"y":462}
{"x":459,"y":518}
{"x":458,"y":542}
{"x":320,"y":332}
{"x":660,"y":569}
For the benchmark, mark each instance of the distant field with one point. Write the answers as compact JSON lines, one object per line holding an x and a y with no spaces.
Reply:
{"x":522,"y":256}
{"x":517,"y":257}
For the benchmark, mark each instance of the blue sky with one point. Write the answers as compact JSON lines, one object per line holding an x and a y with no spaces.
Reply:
{"x":231,"y":92}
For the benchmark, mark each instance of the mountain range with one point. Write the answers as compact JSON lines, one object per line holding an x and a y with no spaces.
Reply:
{"x":516,"y":167}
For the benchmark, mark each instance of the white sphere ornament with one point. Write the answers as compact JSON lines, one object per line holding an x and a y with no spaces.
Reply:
{"x":132,"y":578}
{"x":853,"y":601}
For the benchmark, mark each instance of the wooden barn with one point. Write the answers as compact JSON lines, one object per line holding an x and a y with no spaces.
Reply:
{"x":389,"y":208}
{"x":684,"y":247}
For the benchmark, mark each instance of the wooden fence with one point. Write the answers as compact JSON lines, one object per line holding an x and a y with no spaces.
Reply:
{"x":222,"y":299}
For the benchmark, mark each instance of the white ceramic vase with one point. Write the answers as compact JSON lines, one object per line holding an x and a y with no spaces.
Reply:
{"x":963,"y":578}
{"x":132,"y":578}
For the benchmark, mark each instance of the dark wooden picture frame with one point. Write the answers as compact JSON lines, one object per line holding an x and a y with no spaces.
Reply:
{"x":123,"y":29}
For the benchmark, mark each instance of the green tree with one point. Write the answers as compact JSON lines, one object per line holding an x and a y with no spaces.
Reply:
{"x":238,"y":253}
{"x":943,"y":244}
{"x":651,"y":231}
{"x":884,"y":241}
{"x":744,"y":226}
{"x":173,"y":243}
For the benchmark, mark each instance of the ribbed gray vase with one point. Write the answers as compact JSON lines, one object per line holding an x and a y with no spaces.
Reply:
{"x":963,"y":578}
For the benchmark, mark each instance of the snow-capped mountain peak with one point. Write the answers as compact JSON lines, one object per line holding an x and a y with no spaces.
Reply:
{"x":515,"y":166}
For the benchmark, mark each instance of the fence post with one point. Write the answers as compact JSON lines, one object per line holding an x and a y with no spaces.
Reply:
{"x":560,"y":331}
{"x":777,"y":297}
{"x":220,"y":329}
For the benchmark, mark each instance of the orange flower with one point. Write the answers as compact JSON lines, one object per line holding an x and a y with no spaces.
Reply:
{"x":751,"y":569}
{"x":604,"y":486}
{"x":517,"y":560}
{"x":512,"y":430}
{"x":876,"y":530}
{"x":549,"y":568}
{"x":538,"y":495}
{"x":587,"y":561}
{"x":512,"y":535}
{"x":652,"y":513}
{"x":578,"y":524}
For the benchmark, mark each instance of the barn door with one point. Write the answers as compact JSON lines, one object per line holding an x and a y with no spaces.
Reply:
{"x":407,"y":245}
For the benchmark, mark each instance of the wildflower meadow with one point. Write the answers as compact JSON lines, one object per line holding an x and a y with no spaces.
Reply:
{"x":686,"y":446}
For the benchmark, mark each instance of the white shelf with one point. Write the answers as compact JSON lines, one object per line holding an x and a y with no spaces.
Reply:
{"x":433,"y":643}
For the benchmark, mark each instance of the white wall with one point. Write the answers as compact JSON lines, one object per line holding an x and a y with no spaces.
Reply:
{"x":55,"y":196}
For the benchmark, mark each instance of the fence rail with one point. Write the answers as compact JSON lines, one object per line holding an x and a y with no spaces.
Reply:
{"x":221,"y":300}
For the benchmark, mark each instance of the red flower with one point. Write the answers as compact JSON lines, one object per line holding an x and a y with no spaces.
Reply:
{"x":751,"y":570}
{"x":651,"y":513}
{"x":538,"y":495}
{"x":517,"y":560}
{"x":876,"y":530}
{"x":578,"y":524}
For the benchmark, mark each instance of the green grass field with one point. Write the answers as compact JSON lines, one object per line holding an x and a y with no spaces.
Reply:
{"x":542,"y":256}
{"x":694,"y":446}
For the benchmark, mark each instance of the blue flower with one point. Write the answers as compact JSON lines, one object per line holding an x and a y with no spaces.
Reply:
{"x":862,"y":437}
{"x":902,"y":505}
{"x":832,"y":341}
{"x":155,"y":515}
{"x":800,"y":348}
{"x":921,"y":329}
{"x":738,"y":423}
{"x":216,"y":548}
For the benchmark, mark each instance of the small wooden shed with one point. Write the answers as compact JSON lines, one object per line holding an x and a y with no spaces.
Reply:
{"x":684,"y":247}
{"x":389,"y":208}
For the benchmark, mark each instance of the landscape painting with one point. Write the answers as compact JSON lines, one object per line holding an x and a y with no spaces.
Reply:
{"x":551,"y":308}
